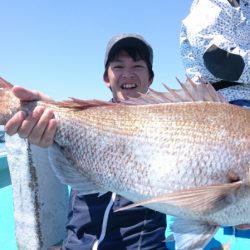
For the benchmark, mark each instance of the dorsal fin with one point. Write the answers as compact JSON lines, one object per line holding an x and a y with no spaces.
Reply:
{"x":79,"y":104}
{"x":189,"y":92}
{"x":72,"y":103}
{"x":5,"y":84}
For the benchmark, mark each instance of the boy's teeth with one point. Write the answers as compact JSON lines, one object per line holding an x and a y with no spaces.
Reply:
{"x":129,"y":85}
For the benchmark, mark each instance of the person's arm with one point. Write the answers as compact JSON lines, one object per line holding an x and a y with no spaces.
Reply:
{"x":39,"y":127}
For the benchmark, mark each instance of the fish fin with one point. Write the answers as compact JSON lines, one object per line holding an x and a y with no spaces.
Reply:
{"x":78,"y":104}
{"x":199,"y":199}
{"x":189,"y":92}
{"x":73,"y":103}
{"x":69,"y":175}
{"x":5,"y":84}
{"x":190,"y":234}
{"x":169,"y":238}
{"x":100,"y":193}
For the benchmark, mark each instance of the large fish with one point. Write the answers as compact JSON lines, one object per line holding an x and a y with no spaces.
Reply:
{"x":185,"y":153}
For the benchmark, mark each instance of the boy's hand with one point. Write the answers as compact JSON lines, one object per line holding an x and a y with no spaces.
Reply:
{"x":39,"y":127}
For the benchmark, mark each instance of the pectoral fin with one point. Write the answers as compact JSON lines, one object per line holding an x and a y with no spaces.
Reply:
{"x":200,"y":199}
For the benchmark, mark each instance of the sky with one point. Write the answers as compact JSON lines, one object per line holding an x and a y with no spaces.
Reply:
{"x":58,"y":46}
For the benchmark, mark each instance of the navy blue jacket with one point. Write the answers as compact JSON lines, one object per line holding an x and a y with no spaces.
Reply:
{"x":93,"y":224}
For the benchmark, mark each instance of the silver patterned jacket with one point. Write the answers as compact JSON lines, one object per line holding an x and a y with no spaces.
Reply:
{"x":215,"y":44}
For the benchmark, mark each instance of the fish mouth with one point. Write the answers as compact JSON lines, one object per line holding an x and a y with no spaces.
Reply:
{"x":129,"y":86}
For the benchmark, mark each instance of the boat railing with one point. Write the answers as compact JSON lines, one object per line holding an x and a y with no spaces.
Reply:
{"x":40,"y":200}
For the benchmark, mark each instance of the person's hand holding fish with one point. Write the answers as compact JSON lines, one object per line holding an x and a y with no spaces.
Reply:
{"x":39,"y":127}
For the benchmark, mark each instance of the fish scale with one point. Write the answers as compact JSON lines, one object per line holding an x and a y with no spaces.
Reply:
{"x":120,"y":141}
{"x":174,"y":157}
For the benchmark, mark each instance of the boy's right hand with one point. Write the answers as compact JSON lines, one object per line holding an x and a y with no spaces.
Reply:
{"x":39,"y":127}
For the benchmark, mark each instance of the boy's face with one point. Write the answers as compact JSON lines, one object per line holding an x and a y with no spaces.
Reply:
{"x":126,"y":77}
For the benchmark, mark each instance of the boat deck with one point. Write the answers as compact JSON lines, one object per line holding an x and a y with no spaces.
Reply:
{"x":7,"y":230}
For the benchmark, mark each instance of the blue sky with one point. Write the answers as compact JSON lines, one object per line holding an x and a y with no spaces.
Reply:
{"x":58,"y":46}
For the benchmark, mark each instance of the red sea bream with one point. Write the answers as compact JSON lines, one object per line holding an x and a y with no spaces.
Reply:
{"x":185,"y":153}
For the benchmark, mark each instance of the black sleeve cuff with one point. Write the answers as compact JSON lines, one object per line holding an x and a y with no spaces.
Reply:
{"x":223,"y":64}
